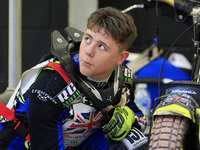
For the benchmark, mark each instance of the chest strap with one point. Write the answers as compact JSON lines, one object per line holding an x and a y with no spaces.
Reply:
{"x":60,"y":70}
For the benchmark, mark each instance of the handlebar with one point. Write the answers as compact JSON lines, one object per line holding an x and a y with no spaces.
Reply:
{"x":169,"y":2}
{"x":151,"y":80}
{"x":184,"y":5}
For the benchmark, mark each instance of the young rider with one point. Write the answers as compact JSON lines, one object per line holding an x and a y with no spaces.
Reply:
{"x":91,"y":107}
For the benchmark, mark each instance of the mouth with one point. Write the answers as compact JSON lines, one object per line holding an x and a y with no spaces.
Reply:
{"x":87,"y":63}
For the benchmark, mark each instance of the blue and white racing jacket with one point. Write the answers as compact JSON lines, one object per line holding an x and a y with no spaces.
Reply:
{"x":56,"y":112}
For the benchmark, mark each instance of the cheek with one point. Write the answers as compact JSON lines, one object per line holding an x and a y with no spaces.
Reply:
{"x":105,"y":61}
{"x":81,"y":50}
{"x":112,"y":58}
{"x":81,"y":47}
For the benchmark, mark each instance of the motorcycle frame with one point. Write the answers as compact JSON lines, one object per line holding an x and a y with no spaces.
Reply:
{"x":175,"y":106}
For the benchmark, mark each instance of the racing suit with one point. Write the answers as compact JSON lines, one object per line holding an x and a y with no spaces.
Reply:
{"x":57,"y":125}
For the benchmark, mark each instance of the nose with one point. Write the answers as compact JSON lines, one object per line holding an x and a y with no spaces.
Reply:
{"x":90,"y":51}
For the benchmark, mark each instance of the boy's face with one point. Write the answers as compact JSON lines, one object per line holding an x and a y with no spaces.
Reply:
{"x":99,"y":55}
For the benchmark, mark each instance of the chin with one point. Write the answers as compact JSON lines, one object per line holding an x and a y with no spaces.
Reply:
{"x":83,"y":72}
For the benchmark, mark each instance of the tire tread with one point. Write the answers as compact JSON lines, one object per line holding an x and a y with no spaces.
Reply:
{"x":168,"y":133}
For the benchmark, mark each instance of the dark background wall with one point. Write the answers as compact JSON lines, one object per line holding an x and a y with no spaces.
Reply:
{"x":146,"y":22}
{"x":40,"y":17}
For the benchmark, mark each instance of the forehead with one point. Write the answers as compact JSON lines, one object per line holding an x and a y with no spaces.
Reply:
{"x":100,"y":31}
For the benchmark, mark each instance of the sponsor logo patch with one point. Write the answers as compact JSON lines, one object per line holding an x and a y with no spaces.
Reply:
{"x":68,"y":94}
{"x":43,"y":96}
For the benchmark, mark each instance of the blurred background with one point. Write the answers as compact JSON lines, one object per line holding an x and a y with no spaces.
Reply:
{"x":40,"y":17}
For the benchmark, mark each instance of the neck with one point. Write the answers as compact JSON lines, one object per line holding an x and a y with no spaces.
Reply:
{"x":98,"y":84}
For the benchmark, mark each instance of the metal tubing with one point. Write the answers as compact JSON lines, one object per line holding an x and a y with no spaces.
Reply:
{"x":133,"y":7}
{"x":15,"y":42}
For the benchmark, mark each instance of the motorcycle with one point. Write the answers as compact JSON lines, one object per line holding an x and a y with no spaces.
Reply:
{"x":176,"y":112}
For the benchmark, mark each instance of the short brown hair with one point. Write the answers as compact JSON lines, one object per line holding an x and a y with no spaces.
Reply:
{"x":119,"y":25}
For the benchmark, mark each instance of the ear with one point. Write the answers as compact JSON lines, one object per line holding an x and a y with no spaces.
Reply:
{"x":123,"y":56}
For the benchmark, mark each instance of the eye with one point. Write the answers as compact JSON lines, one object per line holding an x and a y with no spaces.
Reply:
{"x":102,"y":47}
{"x":88,"y":40}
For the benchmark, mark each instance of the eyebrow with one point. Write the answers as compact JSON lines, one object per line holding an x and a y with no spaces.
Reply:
{"x":87,"y":34}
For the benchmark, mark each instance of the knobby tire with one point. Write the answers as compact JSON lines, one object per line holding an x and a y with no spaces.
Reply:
{"x":171,"y":133}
